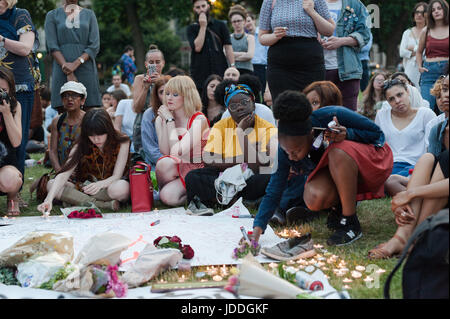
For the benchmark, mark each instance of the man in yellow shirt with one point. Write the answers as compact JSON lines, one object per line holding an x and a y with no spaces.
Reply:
{"x":242,"y":138}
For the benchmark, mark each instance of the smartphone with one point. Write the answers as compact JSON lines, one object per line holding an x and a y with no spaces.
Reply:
{"x":151,"y":68}
{"x":323,"y":129}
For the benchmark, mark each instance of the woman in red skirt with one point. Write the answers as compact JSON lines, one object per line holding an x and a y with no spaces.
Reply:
{"x":343,"y":155}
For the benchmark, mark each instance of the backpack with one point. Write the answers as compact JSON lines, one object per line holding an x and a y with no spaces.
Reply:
{"x":425,"y":275}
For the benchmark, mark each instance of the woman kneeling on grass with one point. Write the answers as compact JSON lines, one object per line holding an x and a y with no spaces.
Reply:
{"x":182,"y":133}
{"x":99,"y":164}
{"x":353,"y":167}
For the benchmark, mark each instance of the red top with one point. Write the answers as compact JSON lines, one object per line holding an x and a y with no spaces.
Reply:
{"x":436,"y":48}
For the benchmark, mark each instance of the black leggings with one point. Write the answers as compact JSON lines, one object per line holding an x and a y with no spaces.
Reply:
{"x":200,"y":182}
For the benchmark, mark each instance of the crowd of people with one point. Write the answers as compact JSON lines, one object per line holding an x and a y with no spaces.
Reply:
{"x":277,"y":105}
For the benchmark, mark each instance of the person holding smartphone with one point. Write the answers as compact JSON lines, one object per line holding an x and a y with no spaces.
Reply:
{"x":142,"y":91}
{"x":352,"y":166}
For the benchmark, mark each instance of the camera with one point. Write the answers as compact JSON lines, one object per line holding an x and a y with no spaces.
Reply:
{"x":4,"y":96}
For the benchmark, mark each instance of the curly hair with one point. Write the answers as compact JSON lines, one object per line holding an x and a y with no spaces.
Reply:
{"x":219,"y":93}
{"x":292,"y":106}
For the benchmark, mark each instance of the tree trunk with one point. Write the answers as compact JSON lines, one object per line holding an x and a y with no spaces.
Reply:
{"x":136,"y":32}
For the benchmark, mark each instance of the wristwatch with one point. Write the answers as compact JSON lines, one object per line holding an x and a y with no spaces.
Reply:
{"x":170,"y":120}
{"x":81,"y":60}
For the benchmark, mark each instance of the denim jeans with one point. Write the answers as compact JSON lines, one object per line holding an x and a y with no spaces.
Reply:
{"x":427,"y":80}
{"x":26,"y":100}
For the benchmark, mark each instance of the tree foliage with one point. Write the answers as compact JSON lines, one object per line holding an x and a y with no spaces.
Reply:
{"x":38,"y":9}
{"x":394,"y":19}
{"x":139,"y":23}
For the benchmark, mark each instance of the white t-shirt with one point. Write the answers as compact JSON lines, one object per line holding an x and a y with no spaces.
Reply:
{"x":261,"y":110}
{"x":123,"y":87}
{"x":330,"y":56}
{"x":407,"y":145}
{"x":125,"y":109}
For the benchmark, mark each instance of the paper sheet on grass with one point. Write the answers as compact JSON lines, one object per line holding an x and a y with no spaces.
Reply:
{"x":213,"y":238}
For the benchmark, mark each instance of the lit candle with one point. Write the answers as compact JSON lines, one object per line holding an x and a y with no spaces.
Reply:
{"x":356,"y":274}
{"x":360,"y":268}
{"x":380,"y":271}
{"x":318,"y":246}
{"x":217,"y":278}
{"x":347,"y":280}
{"x":347,"y":287}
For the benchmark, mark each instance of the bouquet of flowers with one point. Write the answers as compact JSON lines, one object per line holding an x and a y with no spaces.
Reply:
{"x":106,"y":281}
{"x":246,"y":248}
{"x":86,"y":213}
{"x":174,"y":242}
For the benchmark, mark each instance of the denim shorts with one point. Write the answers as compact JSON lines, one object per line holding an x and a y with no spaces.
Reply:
{"x":401,"y":168}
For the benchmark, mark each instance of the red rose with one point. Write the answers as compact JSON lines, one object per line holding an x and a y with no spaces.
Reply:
{"x":73,"y":214}
{"x":175,"y":239}
{"x":156,"y":241}
{"x":91,"y":211}
{"x":188,"y":252}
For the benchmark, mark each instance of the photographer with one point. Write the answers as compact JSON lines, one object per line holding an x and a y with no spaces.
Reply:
{"x":10,"y":137}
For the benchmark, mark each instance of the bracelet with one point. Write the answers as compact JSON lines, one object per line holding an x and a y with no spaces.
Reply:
{"x":170,"y":120}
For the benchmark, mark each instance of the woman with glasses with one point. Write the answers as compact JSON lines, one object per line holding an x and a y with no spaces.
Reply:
{"x":434,"y":42}
{"x":372,"y":96}
{"x":243,"y":44}
{"x":243,"y":138}
{"x":410,"y":42}
{"x":182,"y":131}
{"x":404,"y":128}
{"x":67,"y":126}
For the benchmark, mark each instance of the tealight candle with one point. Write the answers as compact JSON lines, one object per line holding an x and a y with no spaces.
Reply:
{"x":356,"y":274}
{"x":347,"y":280}
{"x":368,"y":279}
{"x":217,"y":278}
{"x":318,"y":246}
{"x":360,"y":268}
{"x":380,"y":271}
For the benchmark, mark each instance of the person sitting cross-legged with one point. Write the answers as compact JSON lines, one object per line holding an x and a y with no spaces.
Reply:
{"x":96,"y":170}
{"x":242,"y":138}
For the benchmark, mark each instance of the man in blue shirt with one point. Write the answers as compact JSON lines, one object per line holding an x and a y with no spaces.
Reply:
{"x":128,"y":65}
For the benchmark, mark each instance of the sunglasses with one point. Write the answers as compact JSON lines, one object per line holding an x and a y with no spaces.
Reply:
{"x":71,"y":95}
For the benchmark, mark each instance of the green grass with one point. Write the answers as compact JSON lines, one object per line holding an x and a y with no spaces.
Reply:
{"x":376,"y":219}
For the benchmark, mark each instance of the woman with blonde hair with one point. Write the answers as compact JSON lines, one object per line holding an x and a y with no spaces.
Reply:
{"x":182,"y":133}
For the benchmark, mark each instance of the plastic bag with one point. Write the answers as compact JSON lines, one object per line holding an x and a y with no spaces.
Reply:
{"x":38,"y":244}
{"x":38,"y":270}
{"x":150,"y":263}
{"x":103,"y":249}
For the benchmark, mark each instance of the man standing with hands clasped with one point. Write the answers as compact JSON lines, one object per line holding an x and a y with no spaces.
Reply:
{"x":208,"y":38}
